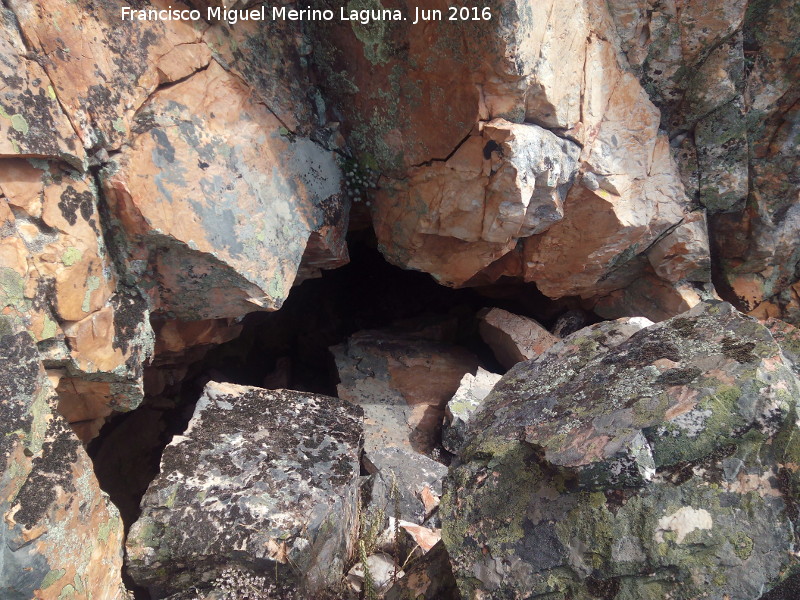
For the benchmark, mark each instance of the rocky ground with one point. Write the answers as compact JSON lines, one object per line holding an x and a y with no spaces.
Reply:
{"x":480,"y":309}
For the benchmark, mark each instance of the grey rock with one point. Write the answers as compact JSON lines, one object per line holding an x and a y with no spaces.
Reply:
{"x":649,"y":468}
{"x":470,"y":394}
{"x":403,"y":474}
{"x":262,"y":480}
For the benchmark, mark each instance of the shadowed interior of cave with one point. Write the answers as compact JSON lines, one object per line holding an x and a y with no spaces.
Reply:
{"x":289,"y":349}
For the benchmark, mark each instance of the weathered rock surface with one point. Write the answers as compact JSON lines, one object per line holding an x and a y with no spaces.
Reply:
{"x":58,"y":277}
{"x":382,"y":569}
{"x":228,"y":203}
{"x":656,"y":466}
{"x":513,"y":338}
{"x":262,"y":480}
{"x":428,"y":578}
{"x":546,"y":164}
{"x":455,"y":217}
{"x":724,"y":75}
{"x":60,"y":535}
{"x":32,"y":122}
{"x":402,"y":383}
{"x":405,"y":484}
{"x":102,"y":68}
{"x":471,"y":392}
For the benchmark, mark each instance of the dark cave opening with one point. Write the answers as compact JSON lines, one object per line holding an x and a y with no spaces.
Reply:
{"x":289,"y":349}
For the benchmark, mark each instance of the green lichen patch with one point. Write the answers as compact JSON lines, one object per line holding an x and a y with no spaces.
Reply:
{"x":701,"y":408}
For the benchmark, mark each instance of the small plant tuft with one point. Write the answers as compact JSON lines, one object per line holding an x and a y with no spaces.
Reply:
{"x":360,"y":180}
{"x":236,"y":584}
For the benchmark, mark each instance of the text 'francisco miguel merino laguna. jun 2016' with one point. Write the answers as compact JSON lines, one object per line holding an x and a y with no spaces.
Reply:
{"x":283,"y":13}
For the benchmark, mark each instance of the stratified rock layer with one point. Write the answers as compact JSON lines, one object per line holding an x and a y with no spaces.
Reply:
{"x":262,"y":480}
{"x":659,"y":466}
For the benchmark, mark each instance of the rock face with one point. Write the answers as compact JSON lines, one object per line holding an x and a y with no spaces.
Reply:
{"x":455,"y":217}
{"x":93,"y":333}
{"x":61,"y":536}
{"x":724,"y":75}
{"x":428,"y":578}
{"x":547,"y":163}
{"x":402,"y":383}
{"x":652,"y":467}
{"x":229,"y":206}
{"x":471,"y":392}
{"x":405,"y":484}
{"x":262,"y":480}
{"x":513,"y":338}
{"x":192,"y":173}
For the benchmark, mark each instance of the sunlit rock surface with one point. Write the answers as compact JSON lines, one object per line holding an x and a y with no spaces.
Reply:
{"x":651,"y":467}
{"x":262,"y":480}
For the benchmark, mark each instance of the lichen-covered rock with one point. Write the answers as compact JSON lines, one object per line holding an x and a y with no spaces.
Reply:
{"x":59,"y":278}
{"x":403,"y":384}
{"x":270,"y":57}
{"x":404,"y":484}
{"x":218,"y":201}
{"x":262,"y":480}
{"x":513,"y":338}
{"x":658,"y":466}
{"x":471,"y":392}
{"x":60,"y":534}
{"x":724,"y":75}
{"x":102,"y":67}
{"x":32,"y":122}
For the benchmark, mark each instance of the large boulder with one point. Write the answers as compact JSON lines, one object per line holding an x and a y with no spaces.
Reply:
{"x":263,"y":481}
{"x":403,"y":384}
{"x":659,"y":466}
{"x":61,"y":537}
{"x":218,"y":198}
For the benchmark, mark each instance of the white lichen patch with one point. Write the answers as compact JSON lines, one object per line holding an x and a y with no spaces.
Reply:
{"x":683,"y":522}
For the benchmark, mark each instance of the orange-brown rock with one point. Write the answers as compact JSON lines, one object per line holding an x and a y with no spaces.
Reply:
{"x":402,"y":383}
{"x":59,"y":278}
{"x":32,"y":122}
{"x":267,"y":55}
{"x":513,"y":338}
{"x":65,"y":272}
{"x":545,"y":64}
{"x":102,"y":67}
{"x":173,"y":337}
{"x":724,"y":75}
{"x":652,"y":297}
{"x":456,"y":217}
{"x":218,"y":201}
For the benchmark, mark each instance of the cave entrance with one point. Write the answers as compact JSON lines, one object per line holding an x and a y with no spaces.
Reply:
{"x":289,"y":349}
